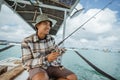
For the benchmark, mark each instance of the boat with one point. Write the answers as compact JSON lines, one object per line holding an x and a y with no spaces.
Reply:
{"x":28,"y":10}
{"x":58,"y":11}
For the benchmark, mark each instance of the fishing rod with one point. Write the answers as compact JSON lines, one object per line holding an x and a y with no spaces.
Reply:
{"x":84,"y":23}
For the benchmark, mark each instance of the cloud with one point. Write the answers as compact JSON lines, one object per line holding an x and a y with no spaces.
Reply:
{"x":101,"y":31}
{"x":83,"y":41}
{"x":101,"y":23}
{"x":12,"y":27}
{"x":14,"y":33}
{"x":101,"y":42}
{"x":107,"y":41}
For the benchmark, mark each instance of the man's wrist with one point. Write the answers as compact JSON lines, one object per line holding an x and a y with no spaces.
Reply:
{"x":46,"y":59}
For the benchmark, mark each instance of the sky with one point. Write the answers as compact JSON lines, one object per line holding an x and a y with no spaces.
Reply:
{"x":102,"y":31}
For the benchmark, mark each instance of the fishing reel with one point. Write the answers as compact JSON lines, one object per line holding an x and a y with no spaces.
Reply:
{"x":59,"y":50}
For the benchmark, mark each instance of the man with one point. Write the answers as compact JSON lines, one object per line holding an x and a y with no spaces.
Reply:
{"x":38,"y":56}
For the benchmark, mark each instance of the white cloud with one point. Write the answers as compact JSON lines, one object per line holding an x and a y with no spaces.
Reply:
{"x":12,"y":27}
{"x":111,"y":38}
{"x":100,"y":32}
{"x":100,"y":42}
{"x":107,"y":41}
{"x":14,"y":33}
{"x":103,"y":22}
{"x":83,"y":41}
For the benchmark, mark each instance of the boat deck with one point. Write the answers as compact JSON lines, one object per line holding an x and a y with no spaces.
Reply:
{"x":22,"y":76}
{"x":15,"y":71}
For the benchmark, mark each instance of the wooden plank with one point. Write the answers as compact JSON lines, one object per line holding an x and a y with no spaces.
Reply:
{"x":10,"y":75}
{"x":3,"y":69}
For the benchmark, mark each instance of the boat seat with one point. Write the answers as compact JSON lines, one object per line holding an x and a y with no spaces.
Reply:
{"x":11,"y":74}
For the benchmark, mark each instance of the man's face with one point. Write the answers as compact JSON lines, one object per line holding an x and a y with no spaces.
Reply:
{"x":44,"y":27}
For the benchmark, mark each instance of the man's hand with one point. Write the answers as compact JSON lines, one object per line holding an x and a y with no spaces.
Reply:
{"x":52,"y":56}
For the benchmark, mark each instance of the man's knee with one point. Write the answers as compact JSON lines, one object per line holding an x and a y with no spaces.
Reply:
{"x":72,"y":77}
{"x":40,"y":76}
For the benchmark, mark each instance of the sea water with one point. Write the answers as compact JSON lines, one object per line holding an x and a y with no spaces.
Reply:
{"x":14,"y":51}
{"x":109,"y":62}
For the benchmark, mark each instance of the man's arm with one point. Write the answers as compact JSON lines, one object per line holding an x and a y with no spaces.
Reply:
{"x":27,"y":57}
{"x":58,"y":49}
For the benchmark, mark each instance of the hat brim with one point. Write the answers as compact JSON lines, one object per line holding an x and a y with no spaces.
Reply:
{"x":43,"y":21}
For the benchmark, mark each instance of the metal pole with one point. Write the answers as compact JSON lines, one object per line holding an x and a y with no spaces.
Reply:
{"x":48,"y":6}
{"x":1,"y":2}
{"x":64,"y":26}
{"x":40,"y":11}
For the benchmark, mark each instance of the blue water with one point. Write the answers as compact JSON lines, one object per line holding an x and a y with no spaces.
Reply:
{"x":14,"y":51}
{"x":2,"y":46}
{"x":107,"y":61}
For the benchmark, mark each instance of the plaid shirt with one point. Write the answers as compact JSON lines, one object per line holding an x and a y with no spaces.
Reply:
{"x":34,"y":52}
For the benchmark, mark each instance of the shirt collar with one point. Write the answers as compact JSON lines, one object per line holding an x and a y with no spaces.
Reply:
{"x":36,"y":38}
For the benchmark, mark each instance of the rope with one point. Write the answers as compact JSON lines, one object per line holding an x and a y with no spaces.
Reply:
{"x":16,"y":4}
